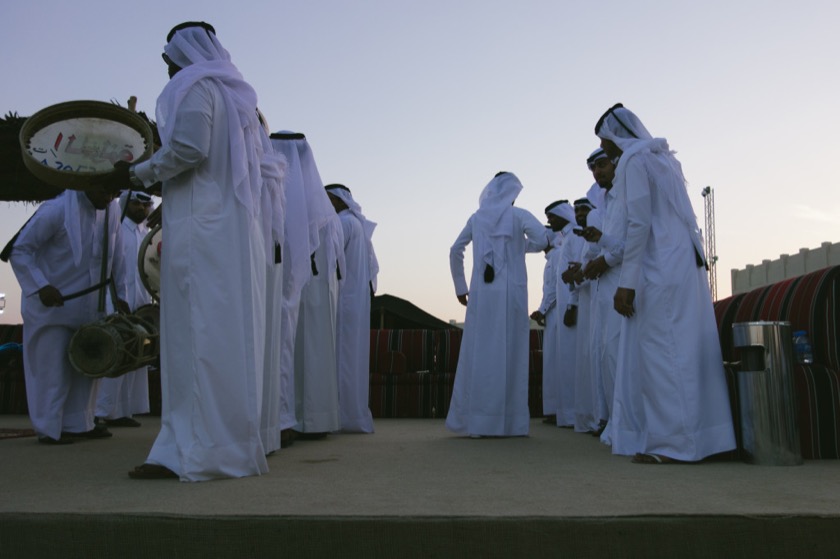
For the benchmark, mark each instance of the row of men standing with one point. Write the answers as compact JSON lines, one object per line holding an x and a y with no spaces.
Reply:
{"x":631,"y":346}
{"x":263,"y":271}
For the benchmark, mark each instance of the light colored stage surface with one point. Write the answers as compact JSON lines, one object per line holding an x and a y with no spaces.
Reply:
{"x":413,"y":480}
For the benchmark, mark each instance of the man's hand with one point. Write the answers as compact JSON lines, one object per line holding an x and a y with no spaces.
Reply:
{"x":570,"y":317}
{"x":463,"y":299}
{"x":50,"y":296}
{"x":569,"y":275}
{"x":594,"y":268}
{"x":623,"y":301}
{"x":155,"y":218}
{"x":591,"y":234}
{"x":538,"y":317}
{"x":122,"y":307}
{"x":116,"y":180}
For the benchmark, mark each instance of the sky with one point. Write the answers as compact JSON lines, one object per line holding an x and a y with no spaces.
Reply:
{"x":415,"y":105}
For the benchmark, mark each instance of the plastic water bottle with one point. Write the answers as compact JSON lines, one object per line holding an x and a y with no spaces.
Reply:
{"x":802,"y":347}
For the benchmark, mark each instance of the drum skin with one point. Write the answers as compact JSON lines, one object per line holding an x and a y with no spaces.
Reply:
{"x":148,"y":262}
{"x":113,"y":346}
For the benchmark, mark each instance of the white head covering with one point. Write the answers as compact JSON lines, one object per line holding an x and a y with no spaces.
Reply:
{"x":319,"y":209}
{"x":135,"y":195}
{"x":623,"y":127}
{"x":343,"y":193}
{"x":596,"y":195}
{"x":297,"y":245}
{"x":494,"y":218}
{"x":200,"y":55}
{"x":564,"y":210}
{"x":273,"y":207}
{"x":78,"y":207}
{"x":595,"y":156}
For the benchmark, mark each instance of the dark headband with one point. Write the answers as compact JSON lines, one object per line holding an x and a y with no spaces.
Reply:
{"x":336,"y":187}
{"x":583,"y":202}
{"x":594,"y":157}
{"x":611,"y":111}
{"x":287,"y":136}
{"x":206,"y":26}
{"x":555,"y":204}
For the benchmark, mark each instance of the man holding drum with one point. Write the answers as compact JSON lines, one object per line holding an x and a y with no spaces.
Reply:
{"x":57,"y":254}
{"x":212,"y":264}
{"x":121,"y":397}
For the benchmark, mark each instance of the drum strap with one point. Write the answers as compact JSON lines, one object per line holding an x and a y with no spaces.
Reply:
{"x":7,"y":250}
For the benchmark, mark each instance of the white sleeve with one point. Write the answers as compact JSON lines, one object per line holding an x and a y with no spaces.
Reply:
{"x":456,"y":259}
{"x":190,"y":142}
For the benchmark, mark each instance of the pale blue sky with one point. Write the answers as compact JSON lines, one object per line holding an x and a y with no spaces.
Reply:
{"x":416,"y":105}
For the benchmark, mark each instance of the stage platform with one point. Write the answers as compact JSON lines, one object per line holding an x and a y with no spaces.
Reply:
{"x":412,"y":489}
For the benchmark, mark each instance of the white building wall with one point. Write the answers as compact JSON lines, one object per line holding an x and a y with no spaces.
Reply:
{"x":785,"y":267}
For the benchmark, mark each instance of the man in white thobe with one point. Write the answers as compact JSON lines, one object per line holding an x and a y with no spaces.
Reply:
{"x":546,"y":316}
{"x":605,"y":233}
{"x":118,"y":399}
{"x":316,"y":376}
{"x":490,"y":396}
{"x":587,"y":393}
{"x":563,"y":380}
{"x":57,"y":254}
{"x":300,"y":241}
{"x":671,"y":401}
{"x":213,"y":265}
{"x":316,"y":379}
{"x":273,"y":211}
{"x":357,"y":287}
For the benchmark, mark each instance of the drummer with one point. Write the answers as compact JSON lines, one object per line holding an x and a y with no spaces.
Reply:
{"x":118,"y":399}
{"x":57,"y":254}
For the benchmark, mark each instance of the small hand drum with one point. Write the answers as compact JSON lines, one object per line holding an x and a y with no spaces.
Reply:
{"x":69,"y":144}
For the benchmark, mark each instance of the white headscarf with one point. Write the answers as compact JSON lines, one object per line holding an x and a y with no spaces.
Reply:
{"x":273,"y":170}
{"x":77,"y":207}
{"x":201,"y":56}
{"x":595,"y":156}
{"x":319,"y":209}
{"x":135,"y":195}
{"x":564,"y":210}
{"x":298,"y":238}
{"x":622,"y":127}
{"x":494,"y":218}
{"x":367,"y":226}
{"x":596,"y":195}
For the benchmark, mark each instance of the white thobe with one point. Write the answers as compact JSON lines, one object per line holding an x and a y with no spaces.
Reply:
{"x":548,"y":307}
{"x":213,"y":276}
{"x":587,"y":392}
{"x":272,"y":210}
{"x":606,"y":331}
{"x":316,"y":378}
{"x":353,"y":331}
{"x":128,"y":394}
{"x":564,"y":380}
{"x":59,"y":397}
{"x":490,"y":396}
{"x":671,"y":399}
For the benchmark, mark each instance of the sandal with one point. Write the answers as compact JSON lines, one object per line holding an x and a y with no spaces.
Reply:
{"x":657,"y":459}
{"x":152,"y":471}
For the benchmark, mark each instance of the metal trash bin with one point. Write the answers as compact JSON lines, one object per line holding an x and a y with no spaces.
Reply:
{"x":769,"y":429}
